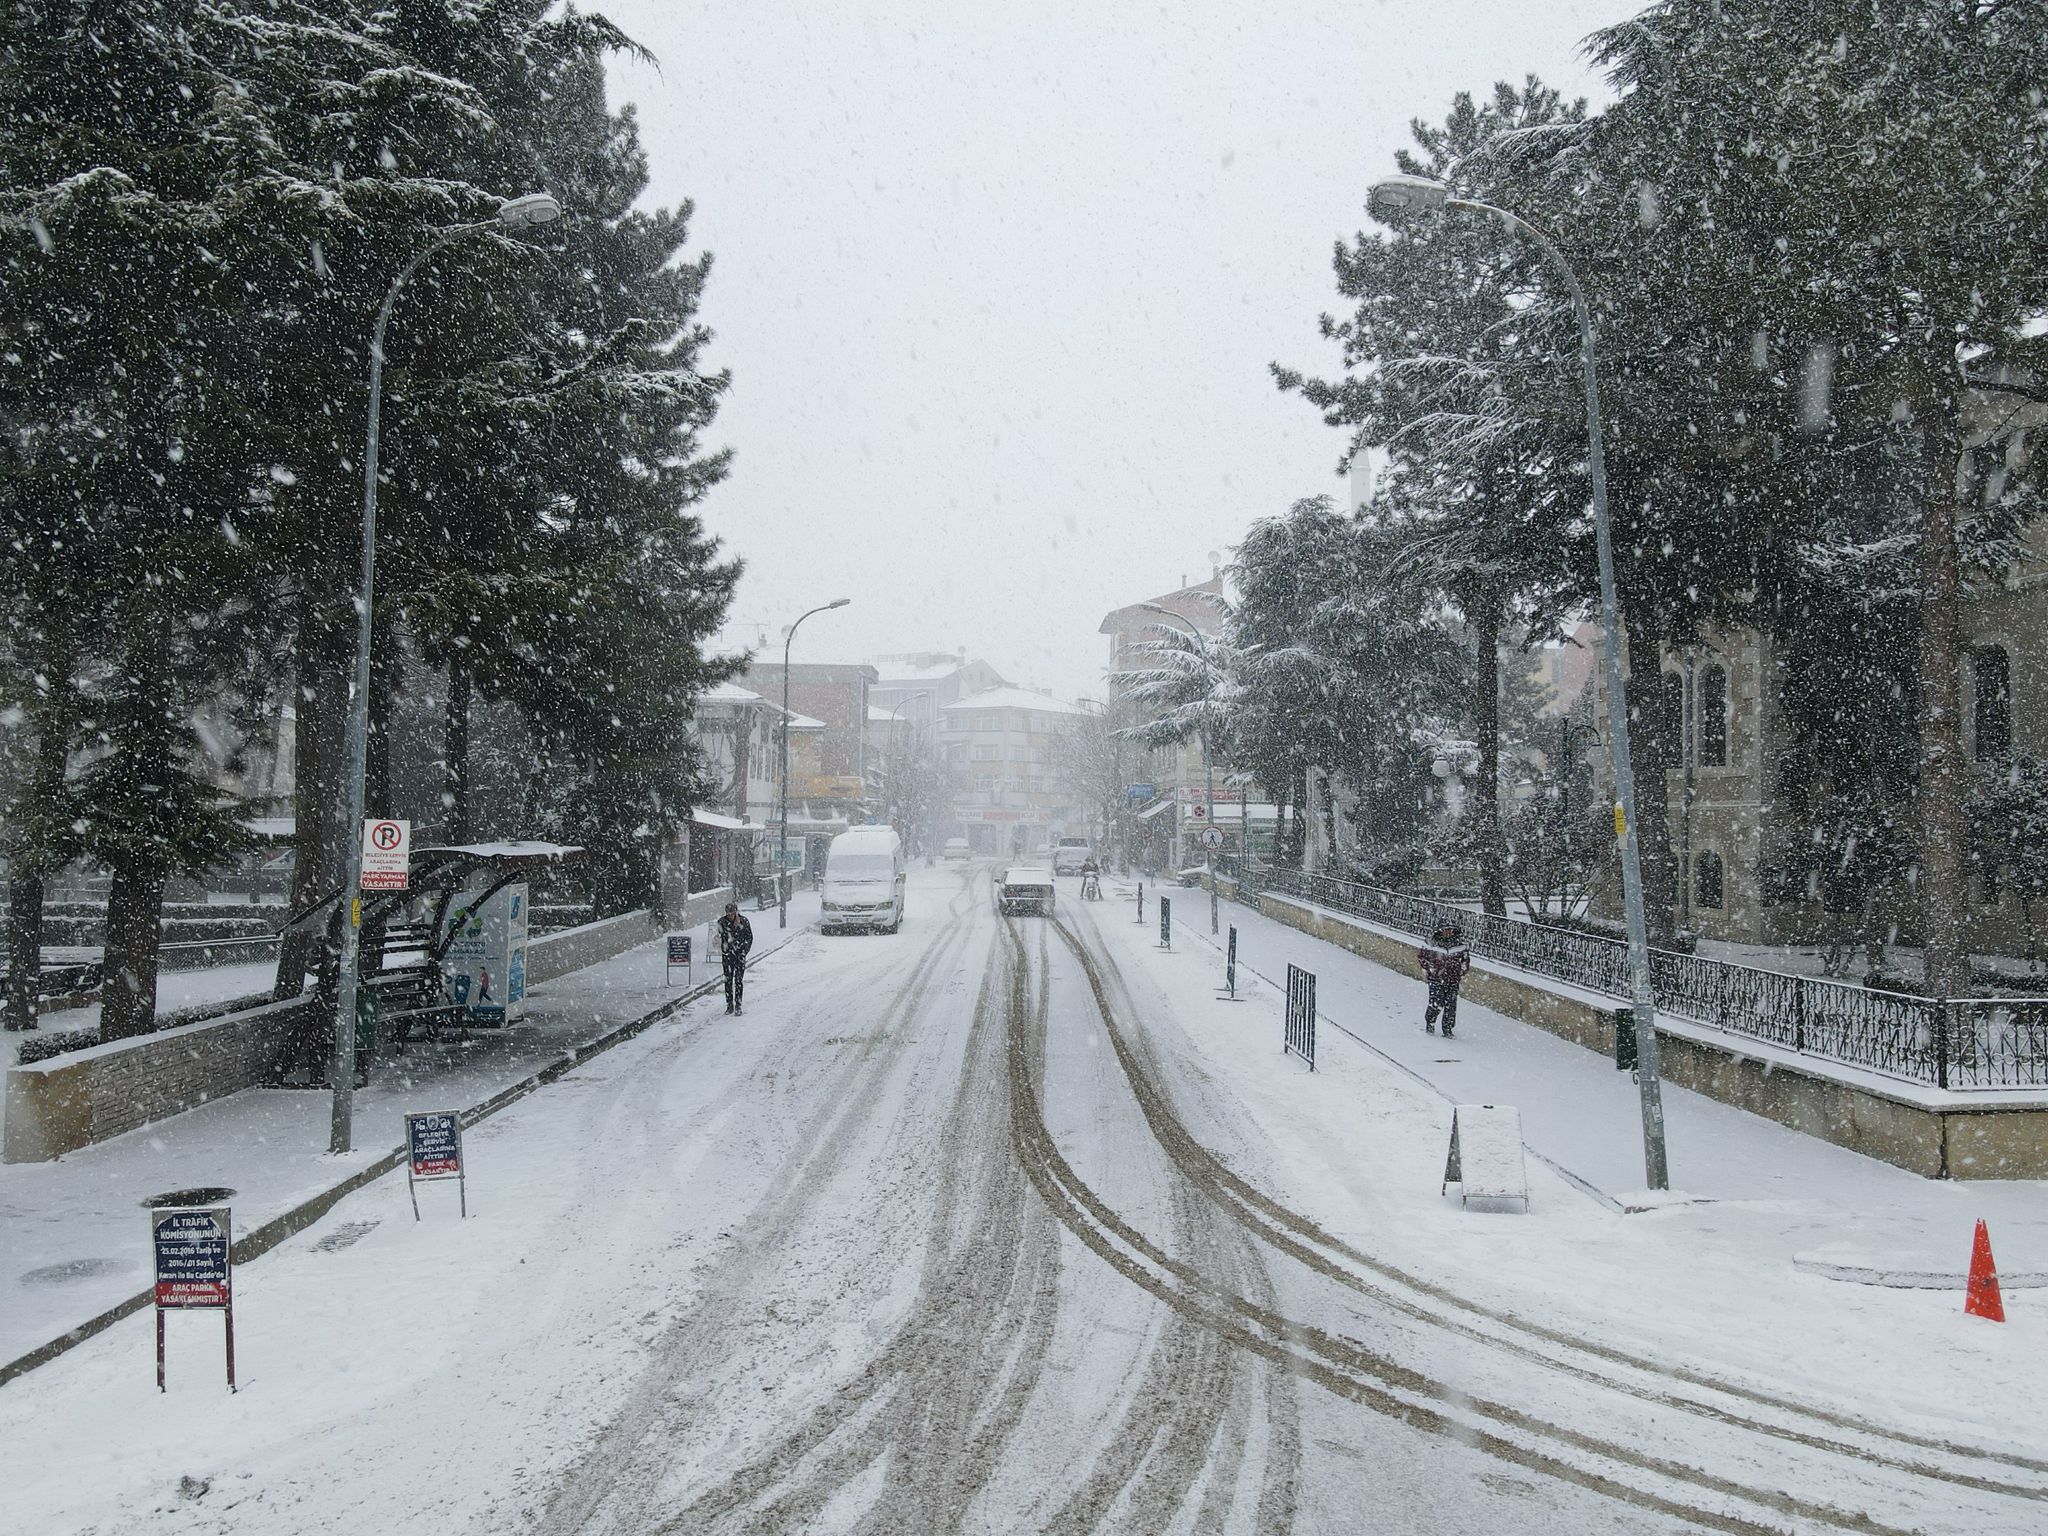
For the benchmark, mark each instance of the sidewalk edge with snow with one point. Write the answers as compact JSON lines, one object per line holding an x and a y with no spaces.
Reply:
{"x":256,"y":1243}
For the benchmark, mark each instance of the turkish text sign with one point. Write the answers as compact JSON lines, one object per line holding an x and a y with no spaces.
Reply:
{"x":192,"y":1257}
{"x":433,"y":1143}
{"x":387,"y":855}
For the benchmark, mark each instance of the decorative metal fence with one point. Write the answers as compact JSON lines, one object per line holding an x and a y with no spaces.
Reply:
{"x":1962,"y":1043}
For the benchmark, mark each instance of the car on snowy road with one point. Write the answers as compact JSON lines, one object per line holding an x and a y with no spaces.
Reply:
{"x":1026,"y":888}
{"x":1069,"y":854}
{"x":957,"y":851}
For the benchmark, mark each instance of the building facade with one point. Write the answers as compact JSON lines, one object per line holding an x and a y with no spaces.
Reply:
{"x":1002,"y":748}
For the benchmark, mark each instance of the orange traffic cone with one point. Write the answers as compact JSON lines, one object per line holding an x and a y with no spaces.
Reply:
{"x":1981,"y":1298}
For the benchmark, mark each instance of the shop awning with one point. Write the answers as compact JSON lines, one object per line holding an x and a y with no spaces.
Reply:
{"x":1155,"y":809}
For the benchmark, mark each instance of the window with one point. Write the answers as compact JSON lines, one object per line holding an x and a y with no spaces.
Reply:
{"x":1709,"y":881}
{"x":1711,"y":721}
{"x":1991,"y":683}
{"x":985,"y":752}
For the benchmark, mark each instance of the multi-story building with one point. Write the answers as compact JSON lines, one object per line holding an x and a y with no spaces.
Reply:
{"x":1729,"y":826}
{"x":1002,"y":746}
{"x":1174,"y":790}
{"x":834,"y":695}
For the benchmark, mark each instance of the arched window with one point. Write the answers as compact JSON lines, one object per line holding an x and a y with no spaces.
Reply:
{"x":1991,"y":685}
{"x":1711,"y":718}
{"x":1670,"y":723}
{"x":1709,"y":881}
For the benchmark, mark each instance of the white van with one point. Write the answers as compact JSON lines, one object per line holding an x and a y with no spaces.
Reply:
{"x":864,"y":879}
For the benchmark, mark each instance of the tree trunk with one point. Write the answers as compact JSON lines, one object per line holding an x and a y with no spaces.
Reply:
{"x":325,"y":657}
{"x":1942,"y":819}
{"x":1486,"y":791}
{"x":455,"y":754}
{"x":134,"y":933}
{"x":28,"y":862}
{"x":1651,"y":752}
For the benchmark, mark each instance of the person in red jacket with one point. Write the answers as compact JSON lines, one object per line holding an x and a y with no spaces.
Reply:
{"x":1445,"y":960}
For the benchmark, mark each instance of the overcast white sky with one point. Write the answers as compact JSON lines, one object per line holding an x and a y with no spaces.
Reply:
{"x":999,"y":285}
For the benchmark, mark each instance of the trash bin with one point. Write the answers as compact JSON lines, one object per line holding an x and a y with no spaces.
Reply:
{"x":1624,"y":1039}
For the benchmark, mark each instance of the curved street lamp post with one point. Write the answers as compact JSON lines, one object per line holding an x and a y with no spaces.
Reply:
{"x":1209,"y":772}
{"x":1416,"y":195}
{"x":782,"y":826}
{"x":519,"y":213}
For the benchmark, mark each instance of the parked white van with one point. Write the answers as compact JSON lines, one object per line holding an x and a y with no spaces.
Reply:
{"x":864,"y":879}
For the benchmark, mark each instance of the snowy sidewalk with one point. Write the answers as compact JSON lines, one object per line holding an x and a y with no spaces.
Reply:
{"x":73,"y":1230}
{"x":1584,"y":1117}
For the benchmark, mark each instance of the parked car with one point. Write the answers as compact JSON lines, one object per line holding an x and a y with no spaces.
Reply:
{"x":1025,"y":889}
{"x":1069,"y":854}
{"x":865,"y":873}
{"x":957,"y":851}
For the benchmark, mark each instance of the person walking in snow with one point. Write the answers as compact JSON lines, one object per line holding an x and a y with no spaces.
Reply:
{"x":1445,"y":960}
{"x":735,"y":938}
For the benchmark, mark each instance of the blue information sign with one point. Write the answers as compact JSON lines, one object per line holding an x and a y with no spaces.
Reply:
{"x":433,"y":1150}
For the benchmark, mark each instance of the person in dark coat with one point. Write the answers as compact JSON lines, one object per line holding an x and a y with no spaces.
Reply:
{"x":1445,"y":960}
{"x":735,"y":938}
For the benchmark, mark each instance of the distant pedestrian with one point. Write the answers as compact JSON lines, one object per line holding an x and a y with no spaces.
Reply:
{"x":735,"y":938}
{"x":1445,"y":960}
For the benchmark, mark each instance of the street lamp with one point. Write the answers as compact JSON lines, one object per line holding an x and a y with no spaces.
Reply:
{"x":782,"y":828}
{"x":921,"y":693}
{"x":1399,"y":196}
{"x":515,"y":214}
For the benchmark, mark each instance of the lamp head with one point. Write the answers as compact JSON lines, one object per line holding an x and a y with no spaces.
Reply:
{"x":1394,"y":197}
{"x":526,"y":212}
{"x":839,"y":602}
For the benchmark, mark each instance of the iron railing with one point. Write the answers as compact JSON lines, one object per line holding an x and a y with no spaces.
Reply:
{"x":1963,"y":1043}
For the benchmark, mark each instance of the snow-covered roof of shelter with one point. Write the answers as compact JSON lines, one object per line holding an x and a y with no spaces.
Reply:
{"x":799,"y":722}
{"x":729,"y":693}
{"x":509,"y":850}
{"x":724,"y":823}
{"x":1015,"y":698}
{"x":887,"y":716}
{"x":271,"y":826}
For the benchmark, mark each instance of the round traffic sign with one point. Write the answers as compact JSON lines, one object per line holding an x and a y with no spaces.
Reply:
{"x":385,"y":835}
{"x":1212,"y":837}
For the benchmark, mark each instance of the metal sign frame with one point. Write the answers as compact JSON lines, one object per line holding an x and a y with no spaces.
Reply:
{"x":1301,"y":1015}
{"x":442,"y":1124}
{"x":679,"y":944}
{"x":1166,"y":922}
{"x":1141,"y":903}
{"x":199,"y":1274}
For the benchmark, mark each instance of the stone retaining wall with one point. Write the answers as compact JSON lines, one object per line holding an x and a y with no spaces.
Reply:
{"x":70,"y":1101}
{"x":1949,"y":1141}
{"x":81,"y":1097}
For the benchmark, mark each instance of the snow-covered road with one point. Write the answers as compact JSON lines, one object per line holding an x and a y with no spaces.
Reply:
{"x":957,"y":1230}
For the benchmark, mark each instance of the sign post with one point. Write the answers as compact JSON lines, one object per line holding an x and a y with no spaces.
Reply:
{"x":387,"y":854}
{"x":1301,"y":1015}
{"x":193,"y":1257}
{"x":1166,"y":922}
{"x":433,"y":1151}
{"x":1141,"y":903}
{"x":1211,"y":840}
{"x":679,"y":954}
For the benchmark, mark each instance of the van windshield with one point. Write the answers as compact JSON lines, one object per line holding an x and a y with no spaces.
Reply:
{"x":861,"y":866}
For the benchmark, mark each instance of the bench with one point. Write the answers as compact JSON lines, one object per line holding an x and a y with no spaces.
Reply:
{"x":410,"y":998}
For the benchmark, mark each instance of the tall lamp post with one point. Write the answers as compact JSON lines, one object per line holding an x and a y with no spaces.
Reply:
{"x":782,"y":823}
{"x":1208,"y":767}
{"x":1393,"y":198}
{"x":519,"y":213}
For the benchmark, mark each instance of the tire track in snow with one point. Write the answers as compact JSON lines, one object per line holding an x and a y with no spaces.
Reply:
{"x":1352,"y":1371}
{"x":1271,"y":1222}
{"x":616,"y":1479}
